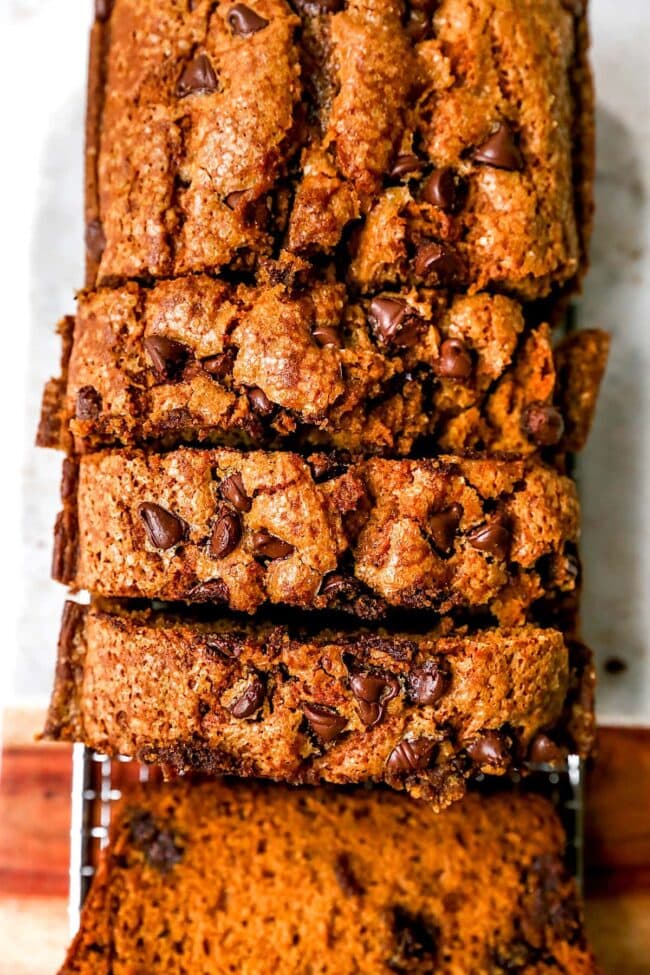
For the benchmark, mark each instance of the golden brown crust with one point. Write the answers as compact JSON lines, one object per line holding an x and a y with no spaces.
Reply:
{"x":343,"y":881}
{"x":581,"y":360}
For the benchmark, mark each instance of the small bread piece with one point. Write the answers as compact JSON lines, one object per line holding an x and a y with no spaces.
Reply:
{"x":419,"y":711}
{"x":445,"y":535}
{"x":219,"y":878}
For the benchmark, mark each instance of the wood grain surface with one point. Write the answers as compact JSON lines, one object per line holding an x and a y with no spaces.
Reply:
{"x":35,"y":824}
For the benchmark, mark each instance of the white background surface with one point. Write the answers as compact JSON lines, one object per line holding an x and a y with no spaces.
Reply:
{"x":42,"y":60}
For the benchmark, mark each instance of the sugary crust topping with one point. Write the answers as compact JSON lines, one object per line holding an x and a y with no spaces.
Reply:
{"x":445,"y":535}
{"x":343,"y":881}
{"x":323,"y":131}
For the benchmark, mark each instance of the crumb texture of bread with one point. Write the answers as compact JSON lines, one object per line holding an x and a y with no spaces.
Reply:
{"x":411,"y":146}
{"x":244,"y":529}
{"x":344,"y":881}
{"x":340,"y":706}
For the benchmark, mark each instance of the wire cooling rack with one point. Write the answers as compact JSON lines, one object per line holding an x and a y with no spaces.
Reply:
{"x":97,"y":783}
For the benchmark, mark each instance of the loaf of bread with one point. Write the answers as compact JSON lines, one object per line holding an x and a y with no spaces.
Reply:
{"x":217,"y":878}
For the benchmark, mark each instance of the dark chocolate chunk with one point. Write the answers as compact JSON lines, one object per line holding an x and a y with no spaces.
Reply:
{"x":164,"y":529}
{"x":326,"y":335}
{"x":228,"y":646}
{"x":168,"y":356}
{"x":270,"y":546}
{"x":416,"y":942}
{"x":428,"y":683}
{"x":445,"y":189}
{"x":405,"y":163}
{"x":226,"y":534}
{"x":95,"y":240}
{"x":454,"y":361}
{"x":250,"y":701}
{"x":346,"y":877}
{"x":219,"y":366}
{"x":395,"y":321}
{"x":198,"y":77}
{"x":89,"y":403}
{"x":260,"y":401}
{"x":542,"y":424}
{"x":494,"y":539}
{"x":324,"y":721}
{"x":500,"y":150}
{"x":544,"y":751}
{"x":439,"y":264}
{"x":373,"y":691}
{"x":443,"y":526}
{"x":242,"y":20}
{"x":232,"y":489}
{"x":411,"y":755}
{"x":210,"y":591}
{"x":492,"y":749}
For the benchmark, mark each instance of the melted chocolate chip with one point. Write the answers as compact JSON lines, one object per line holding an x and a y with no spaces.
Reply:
{"x":270,"y":546}
{"x":260,"y":401}
{"x":428,"y":683}
{"x":346,"y":877}
{"x":228,"y":646}
{"x":210,"y":591}
{"x":454,"y":361}
{"x":232,"y":489}
{"x":405,"y":163}
{"x":544,"y":751}
{"x":438,"y":264}
{"x":158,"y":845}
{"x":411,"y":756}
{"x":250,"y":701}
{"x":242,"y":20}
{"x":324,"y":721}
{"x":95,"y":240}
{"x":494,"y":539}
{"x":443,"y":526}
{"x":542,"y":424}
{"x":89,"y":403}
{"x":445,"y":189}
{"x":491,"y":749}
{"x":416,"y":942}
{"x":226,"y":534}
{"x":168,"y":356}
{"x":325,"y":335}
{"x":500,"y":150}
{"x":198,"y":77}
{"x":219,"y":366}
{"x":373,"y":691}
{"x":164,"y":529}
{"x":394,"y":321}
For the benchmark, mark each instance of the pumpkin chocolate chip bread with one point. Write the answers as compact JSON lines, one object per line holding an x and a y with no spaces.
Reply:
{"x":198,"y":359}
{"x":443,"y":143}
{"x":219,"y":878}
{"x":280,"y":702}
{"x":449,"y":535}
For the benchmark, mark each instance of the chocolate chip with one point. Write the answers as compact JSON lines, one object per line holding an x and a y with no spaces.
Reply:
{"x":336,"y":586}
{"x":89,"y":403}
{"x":438,"y":264}
{"x":210,"y":591}
{"x":232,"y":489}
{"x":260,"y":401}
{"x":168,"y":356}
{"x":542,"y":424}
{"x":233,"y":199}
{"x":373,"y":692}
{"x":404,"y":164}
{"x":494,"y":539}
{"x":158,"y":845}
{"x":614,"y":665}
{"x":163,"y":528}
{"x":346,"y":877}
{"x":324,"y":721}
{"x":428,"y":683}
{"x":411,"y":756}
{"x":242,"y":20}
{"x":250,"y":701}
{"x":270,"y":546}
{"x":226,"y":534}
{"x":103,"y":9}
{"x":454,"y":361}
{"x":198,"y":77}
{"x":443,"y":526}
{"x":219,"y":366}
{"x":445,"y":189}
{"x":394,"y":321}
{"x":491,"y":749}
{"x":326,"y":466}
{"x":95,"y":240}
{"x":228,"y":646}
{"x":416,"y":942}
{"x":500,"y":150}
{"x":544,"y":751}
{"x":326,"y":335}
